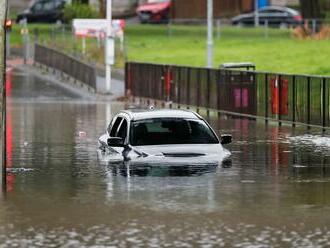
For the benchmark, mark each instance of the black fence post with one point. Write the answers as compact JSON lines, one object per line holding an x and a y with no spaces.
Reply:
{"x":294,"y":104}
{"x":208,"y":91}
{"x":324,"y":104}
{"x":126,"y":78}
{"x":218,"y":90}
{"x":308,"y":102}
{"x":188,"y":87}
{"x":241,"y":91}
{"x":266,"y":98}
{"x":198,"y":88}
{"x":280,"y":100}
{"x":179,"y":88}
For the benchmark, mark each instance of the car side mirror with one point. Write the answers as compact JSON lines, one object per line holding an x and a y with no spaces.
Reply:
{"x":116,"y":142}
{"x":226,"y":139}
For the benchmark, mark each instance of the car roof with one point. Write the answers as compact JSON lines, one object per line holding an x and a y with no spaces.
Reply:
{"x":142,"y":114}
{"x":281,"y":8}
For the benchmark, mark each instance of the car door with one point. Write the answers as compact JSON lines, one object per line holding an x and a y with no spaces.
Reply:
{"x":35,"y":12}
{"x":122,"y":132}
{"x":59,"y":8}
{"x":49,"y":12}
{"x":111,"y":129}
{"x":263,"y":17}
{"x":278,"y":17}
{"x":268,"y":16}
{"x":119,"y":130}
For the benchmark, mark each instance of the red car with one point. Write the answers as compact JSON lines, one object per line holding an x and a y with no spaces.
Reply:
{"x":154,"y":11}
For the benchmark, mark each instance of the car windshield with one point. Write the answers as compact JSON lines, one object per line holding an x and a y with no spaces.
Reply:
{"x":171,"y":131}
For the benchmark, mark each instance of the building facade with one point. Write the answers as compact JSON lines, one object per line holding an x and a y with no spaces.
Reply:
{"x":196,"y":9}
{"x":284,"y":2}
{"x":18,"y":5}
{"x":120,"y":8}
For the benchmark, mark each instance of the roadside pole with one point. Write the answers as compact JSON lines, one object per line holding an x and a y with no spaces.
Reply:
{"x":3,"y":14}
{"x":256,"y":13}
{"x":8,"y":31}
{"x":83,"y":45}
{"x":209,"y":33}
{"x":25,"y":34}
{"x":109,"y":53}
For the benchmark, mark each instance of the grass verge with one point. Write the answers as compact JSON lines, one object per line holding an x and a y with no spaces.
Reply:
{"x":272,"y":50}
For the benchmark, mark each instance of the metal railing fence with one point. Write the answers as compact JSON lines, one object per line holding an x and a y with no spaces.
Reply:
{"x":69,"y":65}
{"x":299,"y":99}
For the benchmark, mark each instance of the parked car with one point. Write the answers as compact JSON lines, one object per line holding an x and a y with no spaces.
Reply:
{"x":274,"y":15}
{"x":154,"y":11}
{"x":163,"y":136}
{"x":48,"y":11}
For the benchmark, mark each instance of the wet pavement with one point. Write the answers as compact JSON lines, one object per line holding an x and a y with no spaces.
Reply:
{"x":276,"y":192}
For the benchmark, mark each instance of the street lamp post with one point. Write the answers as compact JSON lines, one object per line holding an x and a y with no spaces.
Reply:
{"x":256,"y":13}
{"x":209,"y":33}
{"x":109,"y":56}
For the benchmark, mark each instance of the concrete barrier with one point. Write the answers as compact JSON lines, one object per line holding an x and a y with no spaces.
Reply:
{"x":3,"y":8}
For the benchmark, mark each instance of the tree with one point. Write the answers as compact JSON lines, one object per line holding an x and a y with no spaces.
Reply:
{"x":311,"y":9}
{"x":102,"y":8}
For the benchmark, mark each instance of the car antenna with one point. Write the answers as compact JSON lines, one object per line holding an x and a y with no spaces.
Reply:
{"x":151,"y":107}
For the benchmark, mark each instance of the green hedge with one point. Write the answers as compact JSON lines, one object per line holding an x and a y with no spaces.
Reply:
{"x":73,"y":11}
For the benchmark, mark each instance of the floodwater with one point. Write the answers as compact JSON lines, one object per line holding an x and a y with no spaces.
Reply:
{"x":276,"y":192}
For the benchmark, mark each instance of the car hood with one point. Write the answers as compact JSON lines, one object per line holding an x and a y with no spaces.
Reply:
{"x":187,"y":150}
{"x":178,"y":154}
{"x":154,"y":7}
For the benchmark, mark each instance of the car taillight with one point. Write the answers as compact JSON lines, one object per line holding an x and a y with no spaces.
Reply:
{"x":8,"y":25}
{"x":298,"y":18}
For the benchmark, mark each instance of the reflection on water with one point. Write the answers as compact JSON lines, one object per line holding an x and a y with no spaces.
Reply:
{"x":128,"y":169}
{"x":275,"y":192}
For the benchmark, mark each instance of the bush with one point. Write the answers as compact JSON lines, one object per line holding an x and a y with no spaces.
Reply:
{"x":73,"y":11}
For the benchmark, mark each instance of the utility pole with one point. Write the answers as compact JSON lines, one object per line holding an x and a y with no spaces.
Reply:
{"x":109,"y":53}
{"x":209,"y":33}
{"x":256,"y":13}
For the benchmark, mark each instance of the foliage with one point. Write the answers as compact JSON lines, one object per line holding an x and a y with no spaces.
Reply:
{"x":187,"y":46}
{"x":76,"y":10}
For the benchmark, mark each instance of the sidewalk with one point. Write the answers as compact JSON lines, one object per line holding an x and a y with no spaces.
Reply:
{"x":117,"y":86}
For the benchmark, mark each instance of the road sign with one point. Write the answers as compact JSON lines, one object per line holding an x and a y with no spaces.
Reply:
{"x":97,"y":27}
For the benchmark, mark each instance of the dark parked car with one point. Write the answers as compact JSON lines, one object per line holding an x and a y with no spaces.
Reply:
{"x":154,"y":11}
{"x":48,"y":11}
{"x":276,"y":16}
{"x":164,"y":137}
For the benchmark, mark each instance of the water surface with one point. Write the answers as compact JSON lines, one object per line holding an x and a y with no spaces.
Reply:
{"x":276,"y":193}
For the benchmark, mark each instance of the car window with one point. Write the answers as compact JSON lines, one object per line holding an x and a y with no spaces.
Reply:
{"x":271,"y":11}
{"x":122,"y":132}
{"x":47,"y":6}
{"x":37,"y":7}
{"x":171,"y":131}
{"x":115,"y":126}
{"x":59,"y":4}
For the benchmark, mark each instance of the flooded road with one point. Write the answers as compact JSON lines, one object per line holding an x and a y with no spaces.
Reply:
{"x":276,"y":193}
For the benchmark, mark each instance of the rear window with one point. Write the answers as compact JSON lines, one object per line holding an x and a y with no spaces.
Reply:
{"x":171,"y":131}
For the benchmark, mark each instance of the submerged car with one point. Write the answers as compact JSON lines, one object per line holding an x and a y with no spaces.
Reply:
{"x":43,"y":11}
{"x":273,"y":15}
{"x":163,"y":137}
{"x":154,"y":11}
